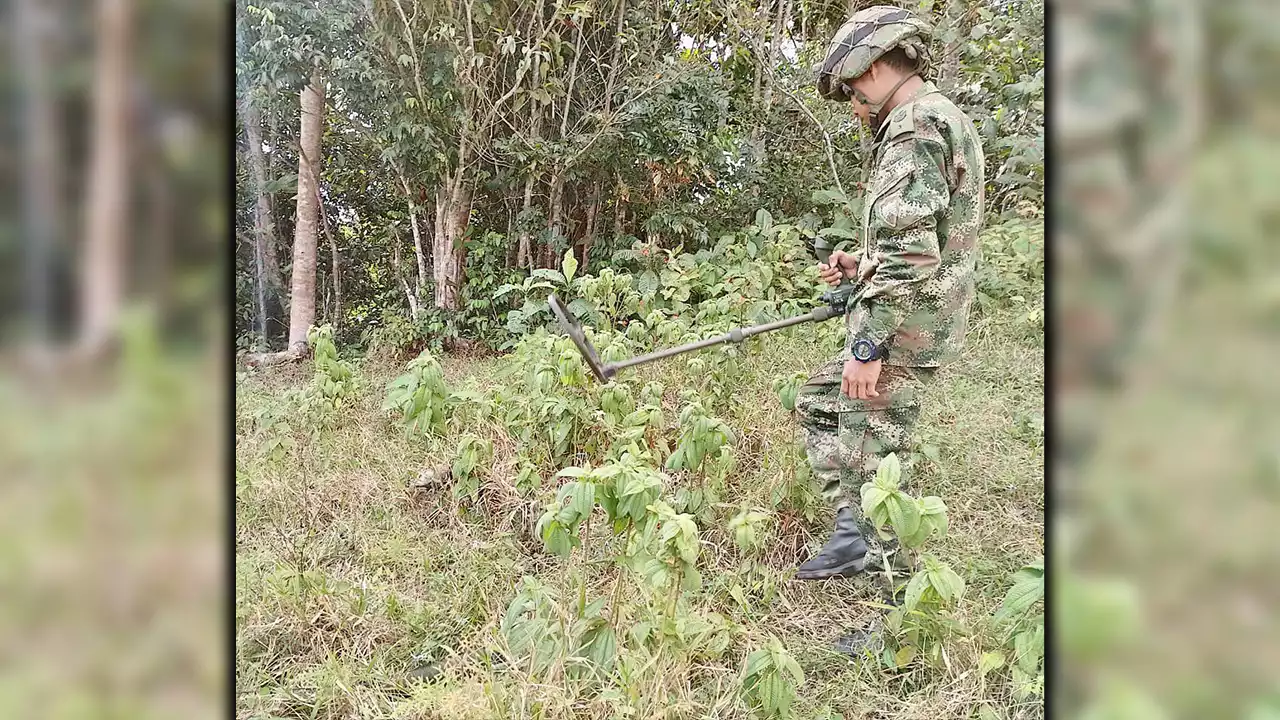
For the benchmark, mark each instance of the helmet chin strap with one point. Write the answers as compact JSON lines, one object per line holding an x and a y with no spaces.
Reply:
{"x":874,"y":108}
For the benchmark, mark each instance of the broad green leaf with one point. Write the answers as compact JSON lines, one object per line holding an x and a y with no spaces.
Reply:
{"x":556,"y":539}
{"x":647,"y":284}
{"x":1026,"y":652}
{"x":953,"y":583}
{"x":640,"y":632}
{"x":904,"y":514}
{"x":889,"y":474}
{"x":547,"y":274}
{"x":1021,"y":597}
{"x":1032,"y":571}
{"x":904,"y":656}
{"x":872,"y":496}
{"x":600,"y":646}
{"x":840,"y":232}
{"x":893,"y":620}
{"x":915,"y":590}
{"x":932,"y":505}
{"x":691,"y":580}
{"x":791,"y":666}
{"x":757,"y":661}
{"x":583,"y":498}
{"x":828,"y":197}
{"x":676,"y":461}
{"x":570,"y":265}
{"x":990,"y":661}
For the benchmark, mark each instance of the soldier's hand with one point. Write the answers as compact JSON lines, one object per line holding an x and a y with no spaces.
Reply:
{"x":840,"y":261}
{"x":858,"y":381}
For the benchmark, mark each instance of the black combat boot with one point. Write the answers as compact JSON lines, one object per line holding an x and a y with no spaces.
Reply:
{"x":844,"y":555}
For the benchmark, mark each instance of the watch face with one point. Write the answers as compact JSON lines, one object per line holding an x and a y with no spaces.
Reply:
{"x":863,"y":349}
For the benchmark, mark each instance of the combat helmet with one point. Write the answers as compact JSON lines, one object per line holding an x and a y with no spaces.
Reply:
{"x":867,"y":35}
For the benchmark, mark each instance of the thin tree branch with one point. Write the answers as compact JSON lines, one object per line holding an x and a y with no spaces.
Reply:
{"x":826,"y":137}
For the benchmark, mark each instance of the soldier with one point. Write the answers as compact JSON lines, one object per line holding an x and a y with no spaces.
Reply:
{"x":922,"y":211}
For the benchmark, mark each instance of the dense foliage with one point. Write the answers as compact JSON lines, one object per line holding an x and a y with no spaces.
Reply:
{"x":502,"y":134}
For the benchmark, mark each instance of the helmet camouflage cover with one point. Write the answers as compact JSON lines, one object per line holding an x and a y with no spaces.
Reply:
{"x":863,"y":38}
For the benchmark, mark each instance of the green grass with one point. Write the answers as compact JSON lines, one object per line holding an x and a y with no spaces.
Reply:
{"x":359,"y":596}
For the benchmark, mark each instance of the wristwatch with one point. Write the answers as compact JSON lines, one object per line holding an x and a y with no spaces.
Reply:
{"x":864,"y":350}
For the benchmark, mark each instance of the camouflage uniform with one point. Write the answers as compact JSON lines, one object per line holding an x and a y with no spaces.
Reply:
{"x":921,"y":217}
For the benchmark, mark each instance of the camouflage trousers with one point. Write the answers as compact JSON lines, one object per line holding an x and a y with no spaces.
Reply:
{"x":846,"y":438}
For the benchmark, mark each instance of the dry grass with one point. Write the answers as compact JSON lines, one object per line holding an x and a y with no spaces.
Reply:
{"x":351,"y":585}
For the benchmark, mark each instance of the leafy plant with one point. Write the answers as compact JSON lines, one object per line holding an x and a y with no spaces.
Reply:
{"x":392,"y":335}
{"x":420,"y":396}
{"x":747,"y":528}
{"x":558,"y":526}
{"x":700,"y":436}
{"x":270,"y":423}
{"x":921,"y":623}
{"x":787,"y":387}
{"x":473,"y":452}
{"x":1025,"y":629}
{"x":674,"y":565}
{"x":535,"y":289}
{"x":770,"y":677}
{"x":913,"y":520}
{"x":528,"y":479}
{"x":334,"y":379}
{"x":532,"y":628}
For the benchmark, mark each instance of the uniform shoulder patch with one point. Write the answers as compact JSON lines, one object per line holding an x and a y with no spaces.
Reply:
{"x":901,"y":121}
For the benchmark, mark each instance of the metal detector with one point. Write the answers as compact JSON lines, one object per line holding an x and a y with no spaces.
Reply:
{"x":837,"y":300}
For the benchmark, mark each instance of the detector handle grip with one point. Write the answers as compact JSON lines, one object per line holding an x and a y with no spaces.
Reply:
{"x":823,"y":248}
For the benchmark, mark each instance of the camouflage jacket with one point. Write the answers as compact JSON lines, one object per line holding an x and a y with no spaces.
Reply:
{"x":921,"y":215}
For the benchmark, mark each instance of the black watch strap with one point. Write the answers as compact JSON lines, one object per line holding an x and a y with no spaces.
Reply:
{"x":858,"y":349}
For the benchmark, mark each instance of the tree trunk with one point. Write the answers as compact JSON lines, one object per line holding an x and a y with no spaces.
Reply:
{"x":409,"y":294}
{"x":102,"y":291}
{"x":573,"y":77}
{"x":278,"y":248}
{"x":302,"y":295}
{"x":526,"y":254}
{"x":554,"y":221}
{"x":264,"y":255}
{"x":453,"y":212}
{"x":420,"y":288}
{"x":523,"y":256}
{"x":617,"y":57}
{"x":312,"y":167}
{"x":764,"y":78}
{"x":589,"y":233}
{"x":619,"y":215}
{"x":335,"y":264}
{"x":512,"y":248}
{"x":950,"y":71}
{"x":757,"y":52}
{"x":41,"y":160}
